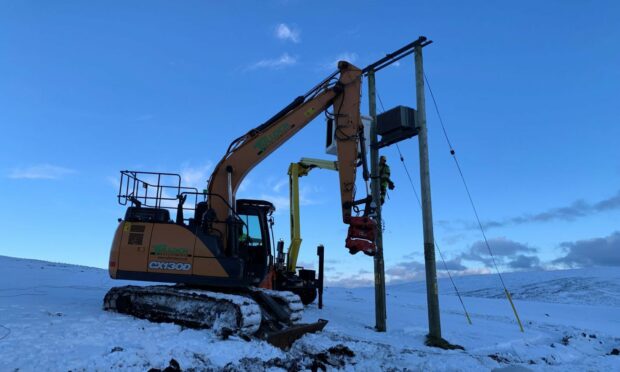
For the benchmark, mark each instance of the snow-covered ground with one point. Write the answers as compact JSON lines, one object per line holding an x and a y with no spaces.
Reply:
{"x":51,"y":318}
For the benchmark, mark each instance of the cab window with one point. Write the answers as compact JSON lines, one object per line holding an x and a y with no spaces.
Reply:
{"x":251,"y":232}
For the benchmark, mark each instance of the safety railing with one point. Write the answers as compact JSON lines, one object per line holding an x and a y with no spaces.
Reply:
{"x":162,"y":190}
{"x":153,"y":189}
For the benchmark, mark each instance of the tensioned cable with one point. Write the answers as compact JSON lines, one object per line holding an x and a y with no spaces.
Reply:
{"x":471,"y":201}
{"x":402,"y":159}
{"x":8,"y":332}
{"x":415,"y":192}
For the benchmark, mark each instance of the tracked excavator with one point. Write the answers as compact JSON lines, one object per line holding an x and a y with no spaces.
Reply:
{"x":218,"y":249}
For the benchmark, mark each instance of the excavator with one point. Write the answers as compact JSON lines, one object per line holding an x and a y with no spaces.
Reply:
{"x":217,"y":251}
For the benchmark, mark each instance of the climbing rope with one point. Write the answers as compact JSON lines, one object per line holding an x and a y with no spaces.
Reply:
{"x":415,"y":192}
{"x":473,"y":206}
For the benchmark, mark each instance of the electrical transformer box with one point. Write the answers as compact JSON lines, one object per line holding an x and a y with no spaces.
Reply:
{"x":396,"y":125}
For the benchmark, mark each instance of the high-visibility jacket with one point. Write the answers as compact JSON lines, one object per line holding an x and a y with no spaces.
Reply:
{"x":384,"y":175}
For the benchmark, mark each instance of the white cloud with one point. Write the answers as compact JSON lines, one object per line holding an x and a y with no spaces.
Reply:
{"x":113,"y":181}
{"x":306,"y":265}
{"x":280,"y":185}
{"x":196,"y":176}
{"x":306,"y":193}
{"x":363,"y":278}
{"x":281,"y":202}
{"x":41,"y":171}
{"x":284,"y":32}
{"x":346,"y":56}
{"x":245,"y":185}
{"x":276,"y":191}
{"x":284,"y":60}
{"x":279,"y":195}
{"x":602,"y":251}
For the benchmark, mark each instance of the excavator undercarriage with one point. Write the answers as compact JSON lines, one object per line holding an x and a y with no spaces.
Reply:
{"x":266,"y":314}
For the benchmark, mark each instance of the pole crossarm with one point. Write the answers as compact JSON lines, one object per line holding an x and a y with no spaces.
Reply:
{"x":390,"y":58}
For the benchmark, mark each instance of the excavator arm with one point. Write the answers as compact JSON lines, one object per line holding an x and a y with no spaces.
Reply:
{"x":250,"y":149}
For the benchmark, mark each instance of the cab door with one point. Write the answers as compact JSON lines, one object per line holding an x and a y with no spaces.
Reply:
{"x":254,"y":244}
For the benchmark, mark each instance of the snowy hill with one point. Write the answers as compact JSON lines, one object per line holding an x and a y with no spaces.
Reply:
{"x":51,"y":319}
{"x":600,"y":286}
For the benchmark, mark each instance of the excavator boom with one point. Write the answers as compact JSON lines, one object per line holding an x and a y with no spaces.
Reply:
{"x":250,"y":149}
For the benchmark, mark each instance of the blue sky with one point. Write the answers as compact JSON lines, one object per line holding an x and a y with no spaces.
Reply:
{"x":528,"y":91}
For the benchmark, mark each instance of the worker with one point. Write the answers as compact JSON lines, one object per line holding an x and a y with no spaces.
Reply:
{"x":384,"y":177}
{"x":242,"y":233}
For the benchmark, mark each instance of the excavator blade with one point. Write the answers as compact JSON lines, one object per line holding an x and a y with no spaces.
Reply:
{"x":285,"y":338}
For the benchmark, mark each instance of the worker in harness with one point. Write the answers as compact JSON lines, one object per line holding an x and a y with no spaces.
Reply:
{"x":384,"y":177}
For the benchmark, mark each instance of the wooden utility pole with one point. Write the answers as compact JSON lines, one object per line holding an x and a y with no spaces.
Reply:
{"x":380,"y":308}
{"x":432,"y":298}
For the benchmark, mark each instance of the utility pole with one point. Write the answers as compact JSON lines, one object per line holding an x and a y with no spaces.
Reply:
{"x":380,"y":308}
{"x":432,"y":298}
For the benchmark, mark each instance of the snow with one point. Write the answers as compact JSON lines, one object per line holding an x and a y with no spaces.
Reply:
{"x":51,"y":318}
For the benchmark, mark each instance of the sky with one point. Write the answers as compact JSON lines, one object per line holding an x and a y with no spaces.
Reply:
{"x":527,"y":91}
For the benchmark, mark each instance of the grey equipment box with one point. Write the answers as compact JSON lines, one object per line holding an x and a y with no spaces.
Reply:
{"x":396,"y":125}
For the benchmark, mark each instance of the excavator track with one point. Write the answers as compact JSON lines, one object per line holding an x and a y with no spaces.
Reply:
{"x":267,"y":314}
{"x":192,"y":308}
{"x":288,"y":300}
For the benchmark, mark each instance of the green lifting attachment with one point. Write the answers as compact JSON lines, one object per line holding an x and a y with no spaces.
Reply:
{"x":296,"y":170}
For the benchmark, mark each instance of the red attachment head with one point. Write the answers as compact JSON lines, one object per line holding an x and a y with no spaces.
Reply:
{"x":361,"y":236}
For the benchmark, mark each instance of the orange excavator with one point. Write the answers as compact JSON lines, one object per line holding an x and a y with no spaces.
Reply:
{"x":218,"y":249}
